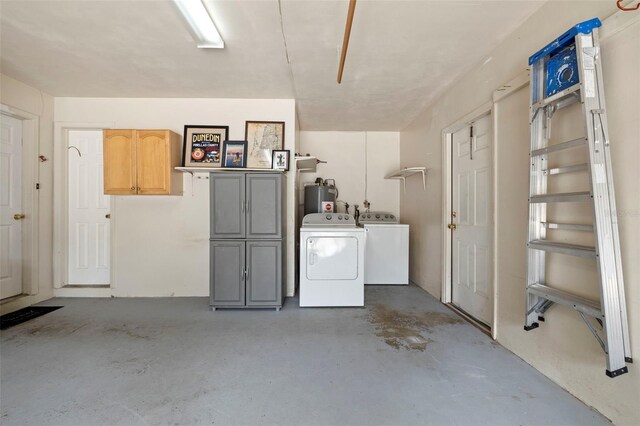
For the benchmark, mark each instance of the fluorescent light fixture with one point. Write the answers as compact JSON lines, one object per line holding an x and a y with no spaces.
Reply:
{"x":201,"y":23}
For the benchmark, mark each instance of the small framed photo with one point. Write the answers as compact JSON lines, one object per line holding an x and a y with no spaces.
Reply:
{"x":235,"y":154}
{"x":203,"y":145}
{"x":280,"y":159}
{"x":262,"y":138}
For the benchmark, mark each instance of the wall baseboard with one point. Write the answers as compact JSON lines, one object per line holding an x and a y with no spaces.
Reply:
{"x":83,"y":291}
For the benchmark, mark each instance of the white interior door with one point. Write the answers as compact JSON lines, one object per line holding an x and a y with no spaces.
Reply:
{"x":10,"y":207}
{"x":472,"y":214}
{"x":88,"y":210}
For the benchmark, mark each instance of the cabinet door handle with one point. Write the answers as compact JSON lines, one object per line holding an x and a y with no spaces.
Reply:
{"x":242,"y":206}
{"x":242,"y":274}
{"x":248,"y":206}
{"x":133,"y":188}
{"x":246,"y":274}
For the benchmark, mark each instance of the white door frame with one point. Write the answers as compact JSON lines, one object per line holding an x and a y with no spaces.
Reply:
{"x":30,"y":198}
{"x":447,"y":163}
{"x":61,"y":217}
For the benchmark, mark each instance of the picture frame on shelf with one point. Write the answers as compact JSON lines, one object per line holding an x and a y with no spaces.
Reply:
{"x":262,"y":138}
{"x":280,"y":159}
{"x":235,"y":154}
{"x":203,"y":145}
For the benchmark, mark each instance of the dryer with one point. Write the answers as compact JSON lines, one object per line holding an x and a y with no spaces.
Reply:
{"x":332,"y":251}
{"x":387,"y":250}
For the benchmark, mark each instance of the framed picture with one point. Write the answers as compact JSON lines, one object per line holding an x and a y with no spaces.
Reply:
{"x":262,"y":138}
{"x":203,"y":145}
{"x":280,"y":159}
{"x":235,"y":154}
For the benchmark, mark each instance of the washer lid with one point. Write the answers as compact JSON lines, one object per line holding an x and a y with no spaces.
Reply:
{"x":378,"y":217}
{"x":315,"y":220}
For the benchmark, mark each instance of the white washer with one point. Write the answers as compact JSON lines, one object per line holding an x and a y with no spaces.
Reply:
{"x":331,"y":261}
{"x":387,"y":252}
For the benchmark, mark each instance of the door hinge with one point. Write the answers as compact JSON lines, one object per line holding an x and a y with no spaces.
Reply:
{"x":37,"y":186}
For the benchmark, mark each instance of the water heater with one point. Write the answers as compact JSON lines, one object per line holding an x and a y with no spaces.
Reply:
{"x":315,"y":194}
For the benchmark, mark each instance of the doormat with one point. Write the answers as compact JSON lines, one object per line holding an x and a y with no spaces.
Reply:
{"x":25,"y":314}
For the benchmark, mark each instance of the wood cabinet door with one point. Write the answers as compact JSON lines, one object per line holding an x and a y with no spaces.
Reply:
{"x":227,"y":205}
{"x":264,"y":205}
{"x":227,"y":278}
{"x":264,"y":273}
{"x":153,"y":161}
{"x":119,"y":162}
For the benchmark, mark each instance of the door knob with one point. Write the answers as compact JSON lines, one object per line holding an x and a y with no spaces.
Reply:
{"x":107,"y":216}
{"x":452,"y":226}
{"x":19,"y":216}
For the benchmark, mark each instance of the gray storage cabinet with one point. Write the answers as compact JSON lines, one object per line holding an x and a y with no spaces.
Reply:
{"x":247,"y":256}
{"x":247,"y":205}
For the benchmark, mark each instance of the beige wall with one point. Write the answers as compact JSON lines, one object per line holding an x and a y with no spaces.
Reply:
{"x":562,"y":348}
{"x":161,"y":243}
{"x":358,"y":161}
{"x":37,"y":107}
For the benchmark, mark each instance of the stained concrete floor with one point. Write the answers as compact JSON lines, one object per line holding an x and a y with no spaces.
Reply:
{"x":404,"y":359}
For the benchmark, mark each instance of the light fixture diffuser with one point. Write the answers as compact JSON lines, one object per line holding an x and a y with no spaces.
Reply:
{"x":201,"y":23}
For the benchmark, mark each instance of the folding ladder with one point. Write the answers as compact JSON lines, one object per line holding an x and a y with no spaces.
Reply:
{"x":567,"y":71}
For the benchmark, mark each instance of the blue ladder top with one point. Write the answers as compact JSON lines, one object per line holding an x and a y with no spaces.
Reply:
{"x":565,"y":39}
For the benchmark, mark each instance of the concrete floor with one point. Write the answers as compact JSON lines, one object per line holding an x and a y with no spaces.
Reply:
{"x":404,"y":359}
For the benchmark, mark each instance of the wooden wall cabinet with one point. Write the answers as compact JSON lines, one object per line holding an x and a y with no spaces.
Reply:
{"x":142,"y":162}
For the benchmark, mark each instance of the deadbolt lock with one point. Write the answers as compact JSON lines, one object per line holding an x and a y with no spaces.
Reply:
{"x":19,"y":216}
{"x":452,"y":226}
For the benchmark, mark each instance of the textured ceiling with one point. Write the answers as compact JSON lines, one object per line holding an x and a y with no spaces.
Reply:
{"x":402,"y":53}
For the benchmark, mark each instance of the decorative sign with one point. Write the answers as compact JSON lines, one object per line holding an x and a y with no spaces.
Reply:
{"x":203,"y":145}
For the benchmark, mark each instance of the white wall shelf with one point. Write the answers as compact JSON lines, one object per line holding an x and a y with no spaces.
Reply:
{"x":203,"y":172}
{"x":306,"y":164}
{"x":192,"y":170}
{"x":404,"y":173}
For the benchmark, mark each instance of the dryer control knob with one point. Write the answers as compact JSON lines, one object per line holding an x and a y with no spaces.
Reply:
{"x":339,"y":217}
{"x":328,"y":217}
{"x":377,"y":216}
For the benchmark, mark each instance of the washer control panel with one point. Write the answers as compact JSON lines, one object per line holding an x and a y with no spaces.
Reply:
{"x":328,"y":219}
{"x":378,"y":217}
